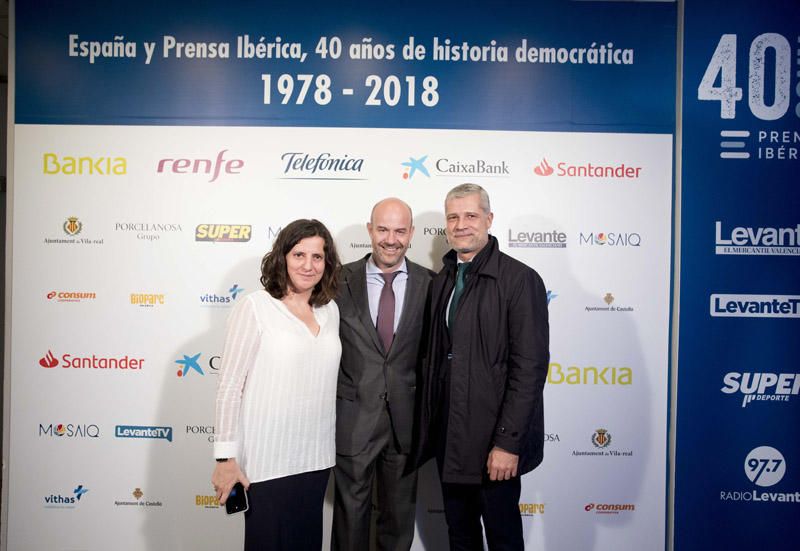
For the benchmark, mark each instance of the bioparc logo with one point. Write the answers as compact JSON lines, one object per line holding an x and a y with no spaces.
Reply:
{"x":760,"y":240}
{"x":619,"y":171}
{"x":212,"y":168}
{"x":609,"y":508}
{"x":110,"y":363}
{"x":72,"y":228}
{"x":223,"y":233}
{"x":299,"y":165}
{"x":69,"y":430}
{"x":412,"y":166}
{"x":531,"y":509}
{"x":70,"y":296}
{"x":147,"y":300}
{"x":611,"y":240}
{"x":761,"y":387}
{"x":215,"y":300}
{"x":764,"y":467}
{"x":65,"y":501}
{"x":755,"y":306}
{"x":206,"y":502}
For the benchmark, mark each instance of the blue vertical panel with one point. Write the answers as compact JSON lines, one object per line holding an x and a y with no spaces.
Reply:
{"x":738,"y":447}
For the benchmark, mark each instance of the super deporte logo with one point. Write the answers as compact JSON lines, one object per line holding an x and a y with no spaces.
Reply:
{"x":762,"y":387}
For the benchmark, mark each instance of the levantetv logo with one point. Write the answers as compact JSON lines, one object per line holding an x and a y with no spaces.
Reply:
{"x":762,"y":387}
{"x":757,"y":240}
{"x":299,"y":165}
{"x":140,"y":431}
{"x":755,"y":306}
{"x":61,"y":501}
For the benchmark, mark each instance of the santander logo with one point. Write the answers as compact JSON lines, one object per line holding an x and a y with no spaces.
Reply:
{"x":544,"y":168}
{"x":49,"y":360}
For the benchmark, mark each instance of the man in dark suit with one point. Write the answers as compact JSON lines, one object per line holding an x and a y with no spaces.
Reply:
{"x":382,"y":305}
{"x":482,"y":412}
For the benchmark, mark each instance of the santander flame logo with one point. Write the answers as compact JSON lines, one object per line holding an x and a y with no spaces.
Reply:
{"x":544,"y":168}
{"x":48,"y":361}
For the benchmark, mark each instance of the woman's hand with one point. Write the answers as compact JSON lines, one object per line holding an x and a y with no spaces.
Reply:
{"x":226,"y":474}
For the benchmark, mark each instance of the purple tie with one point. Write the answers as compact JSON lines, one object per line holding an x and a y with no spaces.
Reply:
{"x":385,"y":322}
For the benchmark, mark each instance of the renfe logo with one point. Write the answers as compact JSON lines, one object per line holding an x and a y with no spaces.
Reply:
{"x":202,"y":166}
{"x":755,"y":306}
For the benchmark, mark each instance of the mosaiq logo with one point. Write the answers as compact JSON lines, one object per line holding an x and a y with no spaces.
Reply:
{"x":619,"y":171}
{"x":761,"y":387}
{"x":299,"y":165}
{"x":212,"y":168}
{"x":764,"y":467}
{"x":69,"y":430}
{"x":611,"y":240}
{"x":213,"y":299}
{"x":757,"y":241}
{"x":110,"y":363}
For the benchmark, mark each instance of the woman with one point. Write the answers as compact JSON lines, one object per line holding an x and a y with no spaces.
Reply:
{"x":276,"y":399}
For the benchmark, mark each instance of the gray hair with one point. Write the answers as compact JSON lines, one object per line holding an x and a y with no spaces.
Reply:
{"x":462,"y":190}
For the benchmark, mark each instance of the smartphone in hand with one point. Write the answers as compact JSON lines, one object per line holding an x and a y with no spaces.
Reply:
{"x":237,"y":500}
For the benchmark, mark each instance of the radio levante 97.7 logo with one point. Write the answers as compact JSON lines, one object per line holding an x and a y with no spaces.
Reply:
{"x":765,"y":467}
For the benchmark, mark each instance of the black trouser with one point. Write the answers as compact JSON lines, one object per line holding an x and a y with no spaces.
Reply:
{"x":286,"y":513}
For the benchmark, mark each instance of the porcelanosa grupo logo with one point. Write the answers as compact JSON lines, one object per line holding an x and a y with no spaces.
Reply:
{"x":412,"y":166}
{"x":212,"y":168}
{"x":148,"y":231}
{"x":757,"y":241}
{"x":93,"y":362}
{"x":299,"y":165}
{"x":761,"y":387}
{"x":618,"y":171}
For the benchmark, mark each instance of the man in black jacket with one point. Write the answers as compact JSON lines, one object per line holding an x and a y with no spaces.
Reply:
{"x":482,"y":414}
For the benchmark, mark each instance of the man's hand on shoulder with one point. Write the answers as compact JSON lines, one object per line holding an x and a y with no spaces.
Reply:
{"x":501,"y":464}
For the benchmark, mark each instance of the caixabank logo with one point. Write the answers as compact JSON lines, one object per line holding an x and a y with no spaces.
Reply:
{"x":65,"y":500}
{"x":221,"y":301}
{"x":764,"y":467}
{"x":192,"y":365}
{"x":761,"y":388}
{"x":756,"y":240}
{"x":620,"y":171}
{"x":471,"y":167}
{"x":413,"y":166}
{"x":93,"y":363}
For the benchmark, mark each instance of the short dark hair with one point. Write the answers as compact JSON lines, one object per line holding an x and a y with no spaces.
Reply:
{"x":274,"y":276}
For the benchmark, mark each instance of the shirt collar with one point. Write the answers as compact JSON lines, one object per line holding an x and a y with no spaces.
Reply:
{"x":372,"y":268}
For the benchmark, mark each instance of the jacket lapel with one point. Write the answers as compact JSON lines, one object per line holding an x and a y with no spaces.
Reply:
{"x":357,"y":286}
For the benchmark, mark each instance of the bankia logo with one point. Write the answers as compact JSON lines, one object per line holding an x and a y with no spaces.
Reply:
{"x":473,"y":168}
{"x":551,"y":239}
{"x":412,"y":166}
{"x":764,"y":467}
{"x":613,"y":171}
{"x":69,"y":430}
{"x":758,"y":240}
{"x":148,"y":231}
{"x":70,"y":296}
{"x":84,"y":165}
{"x":215,"y":300}
{"x":589,"y":375}
{"x":610,"y":240}
{"x":755,"y":306}
{"x":300,"y":165}
{"x":72,"y":234}
{"x":65,"y":500}
{"x":143,"y":431}
{"x":223,"y":233}
{"x":213,"y":168}
{"x":102,"y":363}
{"x":761,"y":387}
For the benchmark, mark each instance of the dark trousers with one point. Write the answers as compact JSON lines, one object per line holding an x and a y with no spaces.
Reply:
{"x":380,"y":464}
{"x":286,"y":513}
{"x":497,"y":503}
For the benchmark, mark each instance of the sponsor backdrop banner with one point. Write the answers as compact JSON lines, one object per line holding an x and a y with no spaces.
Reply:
{"x":157,"y":154}
{"x":738,"y":452}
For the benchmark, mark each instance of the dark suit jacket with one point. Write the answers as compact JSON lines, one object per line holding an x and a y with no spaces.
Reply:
{"x":365,"y":372}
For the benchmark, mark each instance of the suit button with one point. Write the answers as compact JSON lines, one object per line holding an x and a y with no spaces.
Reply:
{"x":501,"y":430}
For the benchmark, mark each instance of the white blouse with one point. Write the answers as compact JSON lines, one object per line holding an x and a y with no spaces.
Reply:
{"x":276,"y":398}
